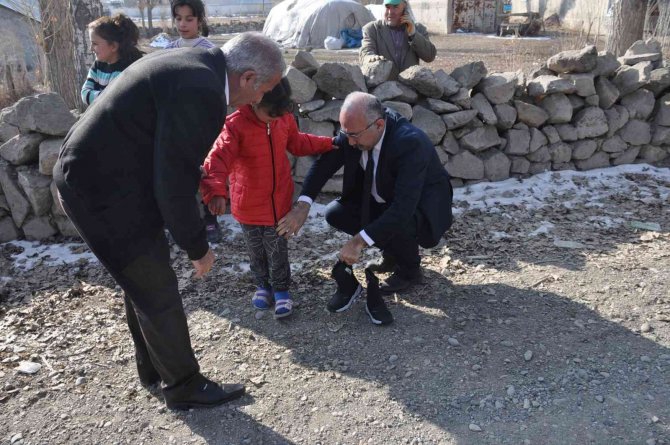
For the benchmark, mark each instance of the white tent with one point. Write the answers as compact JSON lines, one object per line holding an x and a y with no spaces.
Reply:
{"x":303,"y":23}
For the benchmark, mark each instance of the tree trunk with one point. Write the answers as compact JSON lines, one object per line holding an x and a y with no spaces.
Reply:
{"x":66,"y":44}
{"x":627,"y":25}
{"x":150,"y":22}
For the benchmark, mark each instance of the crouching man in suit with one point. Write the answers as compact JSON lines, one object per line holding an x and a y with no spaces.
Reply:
{"x":395,"y":196}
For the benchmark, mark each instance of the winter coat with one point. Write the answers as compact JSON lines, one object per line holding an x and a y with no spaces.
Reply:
{"x":252,"y":156}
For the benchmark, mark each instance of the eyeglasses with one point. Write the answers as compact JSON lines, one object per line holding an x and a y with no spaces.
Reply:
{"x":357,"y":135}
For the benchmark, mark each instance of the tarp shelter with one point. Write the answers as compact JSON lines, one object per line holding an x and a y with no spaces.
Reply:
{"x":306,"y":23}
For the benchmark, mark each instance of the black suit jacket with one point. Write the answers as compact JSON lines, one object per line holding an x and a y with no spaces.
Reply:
{"x":410,"y":178}
{"x":131,"y":164}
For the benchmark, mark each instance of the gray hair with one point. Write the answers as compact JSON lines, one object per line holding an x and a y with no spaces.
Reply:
{"x":369,"y":105}
{"x":253,"y":51}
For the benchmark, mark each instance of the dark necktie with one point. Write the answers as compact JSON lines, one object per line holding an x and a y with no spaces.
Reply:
{"x":367,"y":190}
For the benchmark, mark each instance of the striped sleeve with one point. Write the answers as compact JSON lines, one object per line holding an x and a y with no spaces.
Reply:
{"x":204,"y":43}
{"x":89,"y":91}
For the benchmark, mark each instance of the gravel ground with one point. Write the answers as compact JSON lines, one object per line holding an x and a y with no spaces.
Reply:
{"x":540,"y":321}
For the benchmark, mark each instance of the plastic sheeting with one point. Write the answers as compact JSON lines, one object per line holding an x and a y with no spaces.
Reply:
{"x":306,"y":23}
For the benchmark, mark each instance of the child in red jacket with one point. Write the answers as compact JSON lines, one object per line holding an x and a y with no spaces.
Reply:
{"x":250,"y":153}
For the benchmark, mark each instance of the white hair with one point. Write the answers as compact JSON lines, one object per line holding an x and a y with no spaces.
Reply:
{"x":253,"y":51}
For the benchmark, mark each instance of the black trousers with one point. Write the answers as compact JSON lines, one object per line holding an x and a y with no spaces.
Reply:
{"x":403,"y":247}
{"x":154,"y":309}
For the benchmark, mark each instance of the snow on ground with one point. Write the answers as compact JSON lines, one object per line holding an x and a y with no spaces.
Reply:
{"x":569,"y":187}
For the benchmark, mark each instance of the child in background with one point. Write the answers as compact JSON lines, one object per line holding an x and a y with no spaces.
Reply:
{"x":114,"y":43}
{"x":250,"y":152}
{"x":191,"y":21}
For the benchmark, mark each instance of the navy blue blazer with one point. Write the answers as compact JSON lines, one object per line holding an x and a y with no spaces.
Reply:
{"x":410,"y":178}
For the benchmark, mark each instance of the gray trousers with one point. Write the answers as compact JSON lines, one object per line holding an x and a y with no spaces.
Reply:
{"x":268,"y":254}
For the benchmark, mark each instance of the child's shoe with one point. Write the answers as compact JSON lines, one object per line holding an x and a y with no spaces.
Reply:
{"x":262,"y":299}
{"x":283,"y":304}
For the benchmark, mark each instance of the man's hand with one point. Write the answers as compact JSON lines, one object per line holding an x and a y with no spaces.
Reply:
{"x":217,"y":206}
{"x":290,"y":224}
{"x":204,"y":264}
{"x":409,"y":24}
{"x":374,"y":58}
{"x":350,"y":253}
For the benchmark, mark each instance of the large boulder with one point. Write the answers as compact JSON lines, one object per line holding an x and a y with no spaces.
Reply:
{"x":458,"y":119}
{"x":600,"y":159}
{"x":409,"y":94}
{"x":376,"y":73}
{"x":567,"y":132}
{"x":576,"y":61}
{"x":402,"y":108}
{"x":529,"y":114}
{"x":429,"y":122}
{"x":639,"y":104}
{"x":306,"y":63}
{"x":484,"y":109}
{"x":450,"y":144}
{"x":8,"y":230}
{"x":614,"y":145}
{"x":42,"y":113}
{"x":630,"y":78}
{"x":551,"y":133}
{"x":323,"y":128}
{"x":303,"y":88}
{"x":643,"y":51}
{"x":558,"y":107}
{"x":482,"y":139}
{"x":606,"y":64}
{"x":540,"y":155}
{"x":329,"y":112}
{"x":583,"y":149}
{"x":462,"y":99}
{"x":651,"y":154}
{"x":537,"y":139}
{"x":496,"y":165}
{"x":659,"y":81}
{"x":39,"y":228}
{"x":660,"y":136}
{"x":310,"y":106}
{"x":590,"y":122}
{"x":583,"y":82}
{"x":663,"y":111}
{"x":499,"y":88}
{"x":518,"y":142}
{"x":387,"y":90}
{"x":543,"y":85}
{"x":560,"y":153}
{"x":520,"y":165}
{"x":339,"y":79}
{"x":470,"y":74}
{"x":636,"y":132}
{"x":439,"y":106}
{"x":449,"y":85}
{"x":423,"y":80}
{"x":607,"y":92}
{"x":7,"y":132}
{"x":36,"y":188}
{"x":22,"y":149}
{"x":617,"y":117}
{"x":506,"y":115}
{"x":16,"y":199}
{"x":626,"y":157}
{"x":465,"y":165}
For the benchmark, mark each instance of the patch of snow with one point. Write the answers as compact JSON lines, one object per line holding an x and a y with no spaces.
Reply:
{"x":545,"y":228}
{"x":50,"y":254}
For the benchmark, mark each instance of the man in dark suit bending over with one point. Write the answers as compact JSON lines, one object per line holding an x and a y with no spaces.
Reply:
{"x":395,"y":195}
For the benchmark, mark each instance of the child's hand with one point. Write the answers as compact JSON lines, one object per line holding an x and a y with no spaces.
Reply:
{"x":217,"y":206}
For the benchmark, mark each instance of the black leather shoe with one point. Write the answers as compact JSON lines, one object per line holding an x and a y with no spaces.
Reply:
{"x":146,"y":371}
{"x":375,"y":306}
{"x":200,"y":392}
{"x":383,"y":265}
{"x":398,"y":282}
{"x":348,"y":288}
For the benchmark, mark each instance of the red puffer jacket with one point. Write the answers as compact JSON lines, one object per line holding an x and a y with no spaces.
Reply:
{"x":252,"y":155}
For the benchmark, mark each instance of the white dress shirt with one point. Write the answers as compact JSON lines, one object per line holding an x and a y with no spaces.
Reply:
{"x":376,"y":150}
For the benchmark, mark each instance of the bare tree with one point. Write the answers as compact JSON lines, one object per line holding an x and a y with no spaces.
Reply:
{"x":627,"y":25}
{"x":66,"y":43}
{"x":149,"y":4}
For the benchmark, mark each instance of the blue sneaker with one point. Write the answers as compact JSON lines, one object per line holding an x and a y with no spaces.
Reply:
{"x":262,"y":299}
{"x":283,"y":304}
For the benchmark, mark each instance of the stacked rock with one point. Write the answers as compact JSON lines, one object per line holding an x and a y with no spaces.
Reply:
{"x":31,"y":133}
{"x":581,"y":110}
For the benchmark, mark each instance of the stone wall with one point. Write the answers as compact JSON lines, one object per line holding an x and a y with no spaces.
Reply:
{"x":582,"y":110}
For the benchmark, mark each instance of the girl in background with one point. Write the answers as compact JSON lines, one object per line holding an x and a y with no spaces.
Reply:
{"x":191,"y":21}
{"x":114,"y":43}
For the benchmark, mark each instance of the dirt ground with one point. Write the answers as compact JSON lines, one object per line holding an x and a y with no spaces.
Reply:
{"x":510,"y":340}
